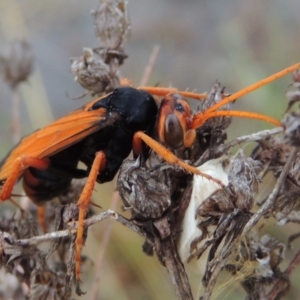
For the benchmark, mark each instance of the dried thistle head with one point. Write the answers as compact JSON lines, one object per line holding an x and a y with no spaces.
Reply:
{"x":147,"y":193}
{"x":216,"y":94}
{"x":91,"y":72}
{"x":16,"y":62}
{"x":112,"y":24}
{"x":243,"y":181}
{"x":241,"y":189}
{"x":213,"y":132}
{"x":98,"y":70}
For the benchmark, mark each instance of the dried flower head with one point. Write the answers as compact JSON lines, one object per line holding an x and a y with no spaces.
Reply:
{"x":212,"y":133}
{"x":91,"y":72}
{"x":146,"y":193}
{"x":112,"y":24}
{"x":16,"y":62}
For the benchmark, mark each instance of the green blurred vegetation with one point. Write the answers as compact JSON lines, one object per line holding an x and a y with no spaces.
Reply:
{"x":235,"y":42}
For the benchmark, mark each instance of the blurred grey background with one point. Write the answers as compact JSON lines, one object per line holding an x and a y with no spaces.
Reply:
{"x":233,"y":41}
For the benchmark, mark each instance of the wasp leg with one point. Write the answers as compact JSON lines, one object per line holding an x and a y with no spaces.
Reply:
{"x":166,"y":154}
{"x":83,"y":203}
{"x":41,"y":218}
{"x":160,"y":91}
{"x":19,"y":166}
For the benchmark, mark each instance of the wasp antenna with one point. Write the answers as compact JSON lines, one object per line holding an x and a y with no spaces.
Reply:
{"x":158,"y":91}
{"x":200,"y":118}
{"x":253,"y":87}
{"x":161,"y":91}
{"x":193,"y":95}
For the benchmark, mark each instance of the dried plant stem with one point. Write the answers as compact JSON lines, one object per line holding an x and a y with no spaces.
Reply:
{"x":213,"y":280}
{"x":272,"y":197}
{"x":16,"y":128}
{"x":104,"y":244}
{"x":258,"y":136}
{"x":73,"y":228}
{"x":151,"y":64}
{"x":176,"y":269}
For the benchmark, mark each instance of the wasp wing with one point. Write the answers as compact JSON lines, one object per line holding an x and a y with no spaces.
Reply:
{"x":59,"y":135}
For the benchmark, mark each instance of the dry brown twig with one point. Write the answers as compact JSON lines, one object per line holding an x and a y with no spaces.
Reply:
{"x":150,"y":67}
{"x":73,"y":227}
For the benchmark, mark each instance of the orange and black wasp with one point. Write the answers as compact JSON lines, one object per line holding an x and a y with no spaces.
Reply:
{"x":101,"y":134}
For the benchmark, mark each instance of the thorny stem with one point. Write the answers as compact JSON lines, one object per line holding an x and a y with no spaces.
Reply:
{"x":272,"y":197}
{"x":88,"y":222}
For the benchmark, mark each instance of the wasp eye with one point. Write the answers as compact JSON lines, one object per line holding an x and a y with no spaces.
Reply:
{"x":179,"y":107}
{"x":173,"y":132}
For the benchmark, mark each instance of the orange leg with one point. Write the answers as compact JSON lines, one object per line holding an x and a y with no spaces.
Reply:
{"x":160,"y":91}
{"x":166,"y":154}
{"x":200,"y":118}
{"x":17,"y":169}
{"x":41,"y":217}
{"x":83,"y":203}
{"x":19,"y":166}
